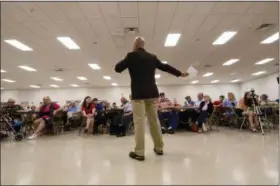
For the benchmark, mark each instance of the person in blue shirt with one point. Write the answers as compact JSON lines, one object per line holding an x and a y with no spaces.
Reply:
{"x":230,"y":101}
{"x":189,"y":102}
{"x":99,"y":119}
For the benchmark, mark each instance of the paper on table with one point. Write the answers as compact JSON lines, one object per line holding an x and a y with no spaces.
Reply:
{"x":192,"y":73}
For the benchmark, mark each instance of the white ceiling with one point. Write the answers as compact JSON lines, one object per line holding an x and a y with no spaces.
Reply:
{"x":37,"y":24}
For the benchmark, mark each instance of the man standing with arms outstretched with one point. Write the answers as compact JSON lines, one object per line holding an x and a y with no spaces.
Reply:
{"x":142,"y":66}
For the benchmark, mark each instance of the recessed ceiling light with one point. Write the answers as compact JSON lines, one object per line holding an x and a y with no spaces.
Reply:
{"x":15,"y":43}
{"x":194,"y":82}
{"x":215,"y":81}
{"x":271,"y":38}
{"x":208,"y":74}
{"x":68,"y":43}
{"x":157,"y":76}
{"x":3,"y":71}
{"x":82,"y":78}
{"x":171,"y":40}
{"x":55,"y":86}
{"x":235,"y":80}
{"x":8,"y":80}
{"x":34,"y":86}
{"x":74,"y":85}
{"x":27,"y":68}
{"x":2,"y":88}
{"x":264,"y":61}
{"x":107,"y":77}
{"x":258,"y":73}
{"x":56,"y":79}
{"x":223,"y":38}
{"x":94,"y":66}
{"x":114,"y":84}
{"x":230,"y":62}
{"x":164,"y":62}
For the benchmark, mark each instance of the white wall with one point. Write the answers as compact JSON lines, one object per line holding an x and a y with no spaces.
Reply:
{"x":265,"y":85}
{"x":113,"y":94}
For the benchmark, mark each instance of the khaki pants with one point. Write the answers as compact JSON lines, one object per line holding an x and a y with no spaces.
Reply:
{"x":141,"y":108}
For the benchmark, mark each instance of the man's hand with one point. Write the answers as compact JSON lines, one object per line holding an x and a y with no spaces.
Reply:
{"x":185,"y":74}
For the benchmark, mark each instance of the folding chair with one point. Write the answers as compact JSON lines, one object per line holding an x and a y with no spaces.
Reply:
{"x":214,"y":119}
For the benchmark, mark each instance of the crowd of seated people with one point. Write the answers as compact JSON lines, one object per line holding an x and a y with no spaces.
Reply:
{"x":99,"y":113}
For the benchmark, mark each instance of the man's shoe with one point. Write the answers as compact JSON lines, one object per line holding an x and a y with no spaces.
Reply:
{"x":133,"y":155}
{"x":160,"y":153}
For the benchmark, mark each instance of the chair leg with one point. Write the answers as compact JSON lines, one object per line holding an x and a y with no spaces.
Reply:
{"x":242,"y":123}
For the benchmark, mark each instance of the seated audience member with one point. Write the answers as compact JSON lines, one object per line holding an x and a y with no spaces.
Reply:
{"x":263,"y":99}
{"x":122,"y":121}
{"x":230,"y":101}
{"x":188,"y":102}
{"x":228,"y":104}
{"x":47,"y":111}
{"x":70,"y":110}
{"x":28,"y":108}
{"x":88,"y":111}
{"x":33,"y":109}
{"x":114,"y":106}
{"x":219,"y":102}
{"x":199,"y":99}
{"x":165,"y":113}
{"x":98,"y":106}
{"x":246,"y":107}
{"x":12,"y":110}
{"x":99,"y":116}
{"x":205,"y":110}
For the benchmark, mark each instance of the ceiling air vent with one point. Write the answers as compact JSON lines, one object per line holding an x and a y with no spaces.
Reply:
{"x":264,"y":27}
{"x":131,"y":30}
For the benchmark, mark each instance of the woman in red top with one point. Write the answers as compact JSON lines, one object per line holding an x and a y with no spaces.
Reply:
{"x":88,"y":111}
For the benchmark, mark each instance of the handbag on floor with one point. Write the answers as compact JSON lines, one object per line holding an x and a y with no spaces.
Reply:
{"x":194,"y":127}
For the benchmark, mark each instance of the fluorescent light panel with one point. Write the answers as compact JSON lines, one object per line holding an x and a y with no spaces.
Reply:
{"x":235,"y":80}
{"x":230,"y":62}
{"x":271,"y":39}
{"x":34,"y":86}
{"x":74,"y":85}
{"x":194,"y":82}
{"x":172,"y":39}
{"x":215,"y":81}
{"x":208,"y":74}
{"x":157,"y":76}
{"x":3,"y":71}
{"x":94,"y":66}
{"x":8,"y":80}
{"x":56,"y":79}
{"x":258,"y":73}
{"x":224,"y":37}
{"x":82,"y":78}
{"x":27,"y":68}
{"x":55,"y":86}
{"x":114,"y":84}
{"x":68,"y":43}
{"x":15,"y":43}
{"x":264,"y":61}
{"x":107,"y":77}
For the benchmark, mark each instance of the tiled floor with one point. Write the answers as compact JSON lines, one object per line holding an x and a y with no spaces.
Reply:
{"x":225,"y":157}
